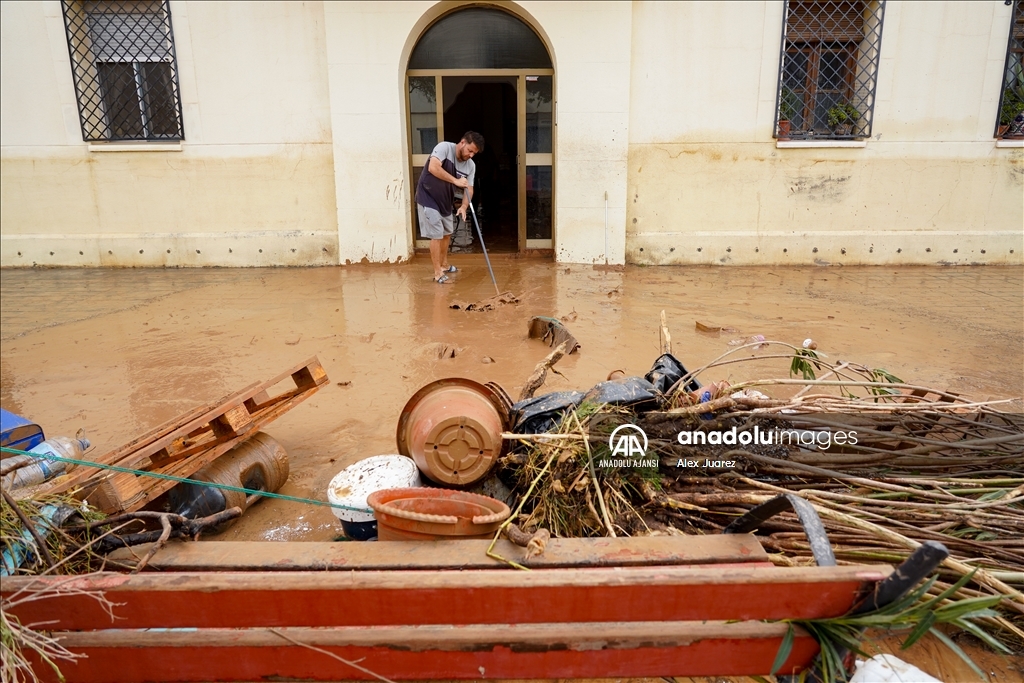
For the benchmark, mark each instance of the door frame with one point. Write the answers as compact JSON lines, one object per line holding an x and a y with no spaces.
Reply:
{"x":523,"y":160}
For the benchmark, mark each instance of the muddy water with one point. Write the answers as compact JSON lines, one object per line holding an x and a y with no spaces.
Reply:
{"x":119,"y":351}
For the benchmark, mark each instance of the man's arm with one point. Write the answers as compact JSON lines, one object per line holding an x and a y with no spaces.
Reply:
{"x":466,"y":199}
{"x":437,"y":170}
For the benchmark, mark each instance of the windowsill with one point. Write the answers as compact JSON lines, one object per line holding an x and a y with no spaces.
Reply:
{"x":135,"y":146}
{"x":1010,"y":143}
{"x":799,"y":144}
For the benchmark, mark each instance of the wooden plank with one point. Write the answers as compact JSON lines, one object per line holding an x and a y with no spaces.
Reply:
{"x":467,"y":554}
{"x":113,"y":493}
{"x":376,"y":598}
{"x":235,"y":420}
{"x":556,"y":650}
{"x":311,"y":368}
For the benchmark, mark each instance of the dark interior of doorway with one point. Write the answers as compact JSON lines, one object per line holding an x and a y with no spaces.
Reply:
{"x":488,"y":106}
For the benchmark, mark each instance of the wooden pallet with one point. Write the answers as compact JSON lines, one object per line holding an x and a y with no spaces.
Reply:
{"x":190,"y":441}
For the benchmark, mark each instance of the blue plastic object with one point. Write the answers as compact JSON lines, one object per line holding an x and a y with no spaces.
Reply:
{"x":17,"y":432}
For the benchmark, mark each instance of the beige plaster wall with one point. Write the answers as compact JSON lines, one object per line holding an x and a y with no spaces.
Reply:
{"x":592,"y":115}
{"x":251,"y":184}
{"x":296,"y":141}
{"x":708,"y":184}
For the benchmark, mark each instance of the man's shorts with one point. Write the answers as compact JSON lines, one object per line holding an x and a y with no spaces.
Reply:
{"x":433,"y":225}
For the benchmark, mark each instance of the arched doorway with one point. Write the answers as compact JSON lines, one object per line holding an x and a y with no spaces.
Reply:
{"x":485,"y":69}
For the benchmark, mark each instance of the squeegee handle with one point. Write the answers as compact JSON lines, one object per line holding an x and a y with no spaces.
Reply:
{"x":484,"y":247}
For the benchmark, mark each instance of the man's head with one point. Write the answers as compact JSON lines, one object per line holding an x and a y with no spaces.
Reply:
{"x":471,"y":144}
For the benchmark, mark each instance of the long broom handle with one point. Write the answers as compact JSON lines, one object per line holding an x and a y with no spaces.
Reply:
{"x":484,"y":247}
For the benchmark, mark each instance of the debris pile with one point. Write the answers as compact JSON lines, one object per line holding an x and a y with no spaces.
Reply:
{"x":887,"y":465}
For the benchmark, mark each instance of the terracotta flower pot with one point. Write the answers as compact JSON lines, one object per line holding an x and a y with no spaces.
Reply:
{"x":423,"y":514}
{"x":784,"y":128}
{"x":452,"y":429}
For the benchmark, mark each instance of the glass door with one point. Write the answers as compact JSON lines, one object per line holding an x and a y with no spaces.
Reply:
{"x":537,"y":190}
{"x":514,"y":110}
{"x":425,"y":132}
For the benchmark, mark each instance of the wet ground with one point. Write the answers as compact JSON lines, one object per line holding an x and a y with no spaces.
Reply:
{"x":117,"y":352}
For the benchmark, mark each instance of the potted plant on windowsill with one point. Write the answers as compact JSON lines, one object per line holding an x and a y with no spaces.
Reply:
{"x":1013,"y":106}
{"x":789,"y":104}
{"x":841,"y":118}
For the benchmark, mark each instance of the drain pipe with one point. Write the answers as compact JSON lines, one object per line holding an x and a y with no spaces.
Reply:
{"x":606,"y":227}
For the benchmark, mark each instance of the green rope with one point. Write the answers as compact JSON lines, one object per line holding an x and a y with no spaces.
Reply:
{"x":183,"y":480}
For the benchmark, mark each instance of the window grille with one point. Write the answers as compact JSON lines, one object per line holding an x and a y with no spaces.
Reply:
{"x":828,"y":69}
{"x":124,"y":68}
{"x":1010,"y":122}
{"x":480,"y":38}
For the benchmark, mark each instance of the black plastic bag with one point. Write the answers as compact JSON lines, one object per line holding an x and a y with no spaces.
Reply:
{"x":666,"y":371}
{"x":635,"y":392}
{"x":542,"y":414}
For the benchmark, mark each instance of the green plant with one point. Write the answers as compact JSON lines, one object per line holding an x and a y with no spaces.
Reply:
{"x":842,"y":112}
{"x":1013,"y":104}
{"x":801,"y":365}
{"x":789,"y":104}
{"x":882,"y":375}
{"x":915,"y":612}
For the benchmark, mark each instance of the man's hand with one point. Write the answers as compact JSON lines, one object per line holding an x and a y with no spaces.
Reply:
{"x":435,"y":169}
{"x":462,"y":210}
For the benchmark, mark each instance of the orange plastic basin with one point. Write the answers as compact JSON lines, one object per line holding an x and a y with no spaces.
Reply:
{"x":422,"y":514}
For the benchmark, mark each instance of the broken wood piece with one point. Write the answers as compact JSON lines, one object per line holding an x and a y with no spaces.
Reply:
{"x":711,"y":328}
{"x":666,"y":338}
{"x":536,"y":380}
{"x":534,"y":543}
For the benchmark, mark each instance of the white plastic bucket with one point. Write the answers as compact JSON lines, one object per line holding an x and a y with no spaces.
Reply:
{"x":353,"y":484}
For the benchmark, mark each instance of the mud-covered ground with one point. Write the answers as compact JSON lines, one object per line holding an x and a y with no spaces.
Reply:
{"x":117,"y":352}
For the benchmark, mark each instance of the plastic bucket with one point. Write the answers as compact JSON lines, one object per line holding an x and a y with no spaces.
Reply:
{"x":355,"y":483}
{"x":435,"y":514}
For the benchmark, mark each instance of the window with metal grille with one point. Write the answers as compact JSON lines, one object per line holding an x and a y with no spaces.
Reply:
{"x":1010,"y":123}
{"x":125,"y":72}
{"x":828,"y":69}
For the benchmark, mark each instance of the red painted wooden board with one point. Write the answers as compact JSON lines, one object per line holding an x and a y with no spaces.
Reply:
{"x":177,"y":660}
{"x":253,"y":599}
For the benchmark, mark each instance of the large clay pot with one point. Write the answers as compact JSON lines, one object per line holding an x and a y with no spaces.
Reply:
{"x":425,"y":514}
{"x":452,"y":429}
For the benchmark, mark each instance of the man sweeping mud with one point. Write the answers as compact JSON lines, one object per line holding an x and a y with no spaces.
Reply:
{"x":450,"y":166}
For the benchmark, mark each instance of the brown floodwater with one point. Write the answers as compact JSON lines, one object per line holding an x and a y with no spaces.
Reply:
{"x":117,"y":352}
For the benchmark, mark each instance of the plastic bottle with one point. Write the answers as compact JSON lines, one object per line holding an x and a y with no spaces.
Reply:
{"x":259,"y":463}
{"x":44,"y":468}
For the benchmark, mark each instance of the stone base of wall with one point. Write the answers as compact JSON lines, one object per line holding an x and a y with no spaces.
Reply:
{"x":241,"y":249}
{"x":847,"y":248}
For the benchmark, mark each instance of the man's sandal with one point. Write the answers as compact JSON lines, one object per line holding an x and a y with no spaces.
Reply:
{"x":451,"y":269}
{"x":443,"y":280}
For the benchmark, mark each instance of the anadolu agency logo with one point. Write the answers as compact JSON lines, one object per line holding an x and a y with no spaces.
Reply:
{"x":628,"y":446}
